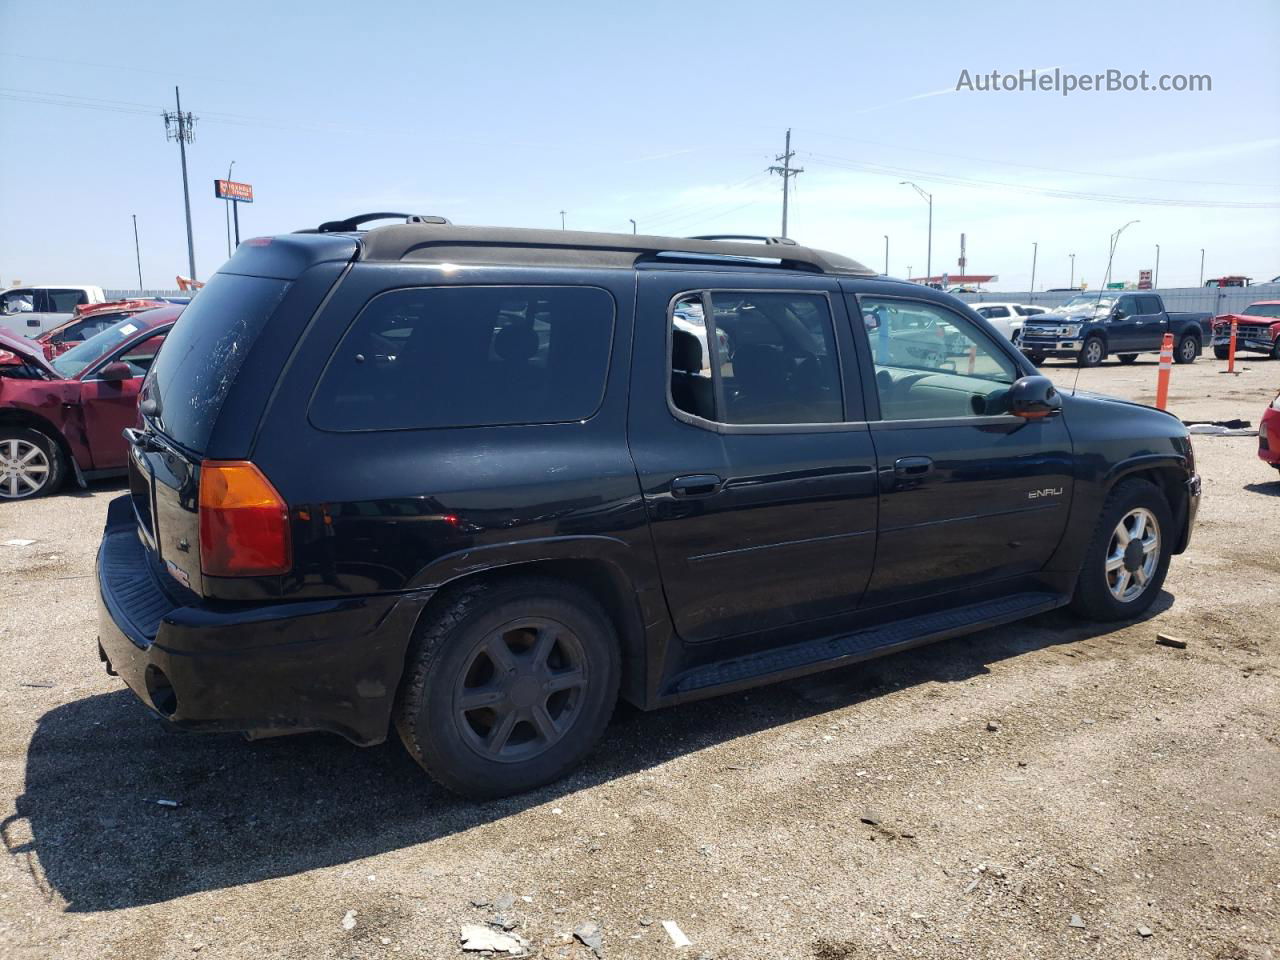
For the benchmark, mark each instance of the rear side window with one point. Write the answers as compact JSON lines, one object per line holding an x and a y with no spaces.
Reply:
{"x":990,"y":312}
{"x":203,"y":353}
{"x":469,"y":357}
{"x":66,"y":301}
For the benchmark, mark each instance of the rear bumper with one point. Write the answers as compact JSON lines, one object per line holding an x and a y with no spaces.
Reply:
{"x":1269,"y":438}
{"x":262,"y":669}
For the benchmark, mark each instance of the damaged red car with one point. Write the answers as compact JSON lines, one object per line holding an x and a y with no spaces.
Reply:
{"x":64,"y":417}
{"x":89,"y":320}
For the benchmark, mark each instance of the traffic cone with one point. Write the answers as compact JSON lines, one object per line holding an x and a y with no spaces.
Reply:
{"x":1162,"y":378}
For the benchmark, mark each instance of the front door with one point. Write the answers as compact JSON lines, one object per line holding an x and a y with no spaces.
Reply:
{"x":756,"y":467}
{"x":968,"y":495}
{"x":1125,"y":327}
{"x":111,"y":405}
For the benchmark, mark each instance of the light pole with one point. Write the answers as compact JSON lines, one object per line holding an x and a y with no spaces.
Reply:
{"x":137,"y":252}
{"x":908,"y":272}
{"x":886,"y":254}
{"x":1202,"y":266}
{"x":1115,"y":242}
{"x":928,"y":198}
{"x":1035,"y":250}
{"x":1072,"y":282}
{"x":227,"y":209}
{"x":1155,"y":278}
{"x":633,"y":227}
{"x":561,"y":219}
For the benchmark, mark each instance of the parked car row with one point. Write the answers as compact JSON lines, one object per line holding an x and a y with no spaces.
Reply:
{"x":1090,"y":326}
{"x":1008,"y":318}
{"x":476,"y":484}
{"x":31,"y":311}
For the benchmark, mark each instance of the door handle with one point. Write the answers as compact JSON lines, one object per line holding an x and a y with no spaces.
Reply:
{"x":912,"y":467}
{"x":696,"y":485}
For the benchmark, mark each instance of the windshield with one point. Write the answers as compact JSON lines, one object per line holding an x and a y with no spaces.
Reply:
{"x":1263,"y":310}
{"x":72,"y":363}
{"x":1087,"y":301}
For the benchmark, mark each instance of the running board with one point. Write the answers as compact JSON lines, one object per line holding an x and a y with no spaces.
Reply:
{"x":784,"y":662}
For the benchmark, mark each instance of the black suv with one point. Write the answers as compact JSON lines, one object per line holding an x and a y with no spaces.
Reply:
{"x":481,"y":482}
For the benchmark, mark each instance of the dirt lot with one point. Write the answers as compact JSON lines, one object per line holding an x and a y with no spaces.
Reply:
{"x":1129,"y":786}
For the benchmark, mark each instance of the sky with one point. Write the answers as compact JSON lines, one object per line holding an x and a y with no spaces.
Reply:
{"x":666,"y":113}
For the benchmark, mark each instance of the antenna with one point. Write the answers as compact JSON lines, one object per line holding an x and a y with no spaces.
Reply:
{"x":1115,"y":241}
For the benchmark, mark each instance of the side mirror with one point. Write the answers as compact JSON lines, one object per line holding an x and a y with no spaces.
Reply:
{"x":1034,"y":398}
{"x":115,"y":372}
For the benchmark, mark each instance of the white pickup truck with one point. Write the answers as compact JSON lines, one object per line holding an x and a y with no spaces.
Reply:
{"x":29,"y":311}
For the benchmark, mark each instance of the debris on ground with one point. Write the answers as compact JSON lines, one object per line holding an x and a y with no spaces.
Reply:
{"x":1169,"y":640}
{"x":871,"y":817}
{"x":161,"y":802}
{"x":1212,"y":430}
{"x":591,"y":936}
{"x":476,"y":937}
{"x":1144,"y":931}
{"x":993,"y":727}
{"x":349,"y":921}
{"x":1076,"y":921}
{"x":18,"y":543}
{"x":677,"y":936}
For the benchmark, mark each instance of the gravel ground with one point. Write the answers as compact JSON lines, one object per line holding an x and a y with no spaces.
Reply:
{"x":1048,"y":789}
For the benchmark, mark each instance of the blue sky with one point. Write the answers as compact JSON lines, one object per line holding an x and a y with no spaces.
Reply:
{"x":669,"y":113}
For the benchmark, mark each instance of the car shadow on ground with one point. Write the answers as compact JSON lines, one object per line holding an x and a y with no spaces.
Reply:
{"x":102,"y":485}
{"x":1270,"y":489}
{"x":88,"y":829}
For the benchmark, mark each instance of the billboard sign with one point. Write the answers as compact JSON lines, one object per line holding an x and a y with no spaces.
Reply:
{"x":1144,"y":279}
{"x":231,"y":190}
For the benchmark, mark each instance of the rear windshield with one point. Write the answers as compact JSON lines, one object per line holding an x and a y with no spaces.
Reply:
{"x":469,"y":356}
{"x":204,"y":351}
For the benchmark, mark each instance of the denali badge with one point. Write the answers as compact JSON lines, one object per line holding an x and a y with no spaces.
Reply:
{"x":1046,"y":492}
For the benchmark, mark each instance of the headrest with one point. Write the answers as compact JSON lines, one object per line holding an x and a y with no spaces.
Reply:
{"x":686,"y":352}
{"x":516,"y":343}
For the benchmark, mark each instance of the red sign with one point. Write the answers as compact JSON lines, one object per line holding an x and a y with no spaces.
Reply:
{"x":231,"y":190}
{"x":1144,"y":279}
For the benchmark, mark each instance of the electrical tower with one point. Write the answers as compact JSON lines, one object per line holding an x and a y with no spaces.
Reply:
{"x":786,"y":171}
{"x":181,"y":127}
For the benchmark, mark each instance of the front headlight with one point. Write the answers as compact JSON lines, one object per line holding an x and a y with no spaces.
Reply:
{"x":1069,"y":330}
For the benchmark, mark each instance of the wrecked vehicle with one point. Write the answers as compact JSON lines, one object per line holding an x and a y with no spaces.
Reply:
{"x":64,"y":417}
{"x":1257,"y":330}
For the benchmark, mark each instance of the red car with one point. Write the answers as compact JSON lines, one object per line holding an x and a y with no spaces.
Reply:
{"x":89,"y":320}
{"x":66,"y":415}
{"x":1257,"y":329}
{"x":1269,"y":434}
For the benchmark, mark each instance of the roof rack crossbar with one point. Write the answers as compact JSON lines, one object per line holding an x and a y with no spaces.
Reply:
{"x":353,"y":223}
{"x":769,"y":241}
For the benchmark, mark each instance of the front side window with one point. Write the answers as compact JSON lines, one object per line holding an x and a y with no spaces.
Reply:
{"x":469,"y":357}
{"x":139,"y":356}
{"x":764,"y":358}
{"x":932,"y":363}
{"x":76,"y":360}
{"x":18,"y":301}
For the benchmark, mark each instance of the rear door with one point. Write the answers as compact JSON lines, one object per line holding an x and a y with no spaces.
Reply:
{"x":755,"y":462}
{"x":968,"y":496}
{"x":1155,"y":322}
{"x":111,"y":405}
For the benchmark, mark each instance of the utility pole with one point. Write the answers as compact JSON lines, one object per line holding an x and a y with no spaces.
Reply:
{"x":1072,"y":282}
{"x":1202,"y":266}
{"x":137,"y":251}
{"x":786,"y":171}
{"x":633,"y":227}
{"x":928,"y":198}
{"x":1155,"y":279}
{"x":180,"y":126}
{"x":227,"y":205}
{"x":1035,"y":250}
{"x":886,"y":254}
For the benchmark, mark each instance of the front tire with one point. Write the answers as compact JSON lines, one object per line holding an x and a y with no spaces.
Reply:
{"x":1187,"y":351}
{"x":509,"y":686}
{"x":1092,"y":353}
{"x":1221,"y":352}
{"x":1036,"y":358}
{"x":31,"y":464}
{"x":1128,"y":557}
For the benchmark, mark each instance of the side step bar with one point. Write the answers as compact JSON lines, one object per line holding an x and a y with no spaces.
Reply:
{"x":838,"y":651}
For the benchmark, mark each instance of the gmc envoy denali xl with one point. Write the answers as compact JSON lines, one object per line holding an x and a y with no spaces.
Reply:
{"x":478,"y":483}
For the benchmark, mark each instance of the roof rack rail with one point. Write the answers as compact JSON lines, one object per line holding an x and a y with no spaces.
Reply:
{"x":768,"y":241}
{"x":353,"y":223}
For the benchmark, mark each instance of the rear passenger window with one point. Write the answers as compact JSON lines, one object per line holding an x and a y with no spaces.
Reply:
{"x":990,"y":312}
{"x":469,"y":357}
{"x":763,"y":358}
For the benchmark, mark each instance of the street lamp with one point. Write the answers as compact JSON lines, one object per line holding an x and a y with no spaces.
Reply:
{"x":886,"y":254}
{"x":227,"y":209}
{"x":1202,"y":266}
{"x":561,"y":219}
{"x":1115,"y":242}
{"x":1072,"y":282}
{"x":928,"y":198}
{"x":1035,"y":250}
{"x":633,"y":227}
{"x":1155,"y":279}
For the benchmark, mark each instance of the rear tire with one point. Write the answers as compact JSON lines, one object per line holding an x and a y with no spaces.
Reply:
{"x":1187,"y":350}
{"x":539,"y":662}
{"x":1220,"y":352}
{"x":1036,"y":358}
{"x":31,"y":464}
{"x":1275,"y":350}
{"x":1092,"y":353}
{"x":1126,"y":357}
{"x":1107,"y":590}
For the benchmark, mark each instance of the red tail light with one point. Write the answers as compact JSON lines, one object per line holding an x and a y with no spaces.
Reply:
{"x":244,"y":522}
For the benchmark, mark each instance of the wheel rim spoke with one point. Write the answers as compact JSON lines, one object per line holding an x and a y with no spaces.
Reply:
{"x":480,"y":698}
{"x":544,"y":642}
{"x":499,"y":654}
{"x":1115,"y":562}
{"x":501,"y":732}
{"x":543,"y":723}
{"x":565,"y":680}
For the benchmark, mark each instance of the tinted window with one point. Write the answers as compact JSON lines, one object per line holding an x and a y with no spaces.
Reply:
{"x":468,"y":357}
{"x":1128,"y":306}
{"x":932,"y":363}
{"x":205,"y":349}
{"x":140,"y":356}
{"x":774,"y":359}
{"x":1149,"y":304}
{"x":990,"y":312}
{"x":66,"y":301}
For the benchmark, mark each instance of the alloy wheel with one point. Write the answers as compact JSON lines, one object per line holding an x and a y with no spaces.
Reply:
{"x":1133,"y":554}
{"x":24,"y":469}
{"x":1093,"y":352}
{"x":1188,"y":349}
{"x":521,"y":691}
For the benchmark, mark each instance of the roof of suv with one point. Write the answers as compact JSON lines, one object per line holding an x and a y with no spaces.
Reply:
{"x":449,"y":243}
